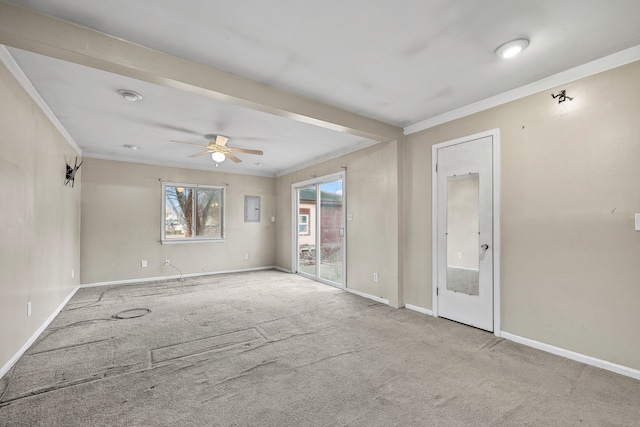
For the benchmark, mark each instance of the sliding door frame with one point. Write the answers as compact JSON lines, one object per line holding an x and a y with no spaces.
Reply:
{"x":317,"y":181}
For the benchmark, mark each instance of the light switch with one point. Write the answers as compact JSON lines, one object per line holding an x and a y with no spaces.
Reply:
{"x":349,"y":217}
{"x":638,"y":222}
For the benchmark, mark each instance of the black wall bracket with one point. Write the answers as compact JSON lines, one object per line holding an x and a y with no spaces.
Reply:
{"x":562,"y":96}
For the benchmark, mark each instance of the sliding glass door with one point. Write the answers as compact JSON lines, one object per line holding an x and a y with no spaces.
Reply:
{"x":319,"y":229}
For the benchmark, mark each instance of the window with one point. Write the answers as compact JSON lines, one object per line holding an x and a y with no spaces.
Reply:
{"x":192,"y":212}
{"x":303,"y":224}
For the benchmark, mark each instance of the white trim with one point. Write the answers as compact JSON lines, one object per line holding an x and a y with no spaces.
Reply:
{"x":578,"y":357}
{"x":434,"y":229}
{"x":365,"y":295}
{"x":418,"y":309}
{"x":320,"y":179}
{"x":284,"y":270}
{"x":294,"y":232}
{"x":173,"y":276}
{"x":590,"y":68}
{"x":295,"y":235}
{"x":497,"y":247}
{"x":364,"y":143}
{"x":163,"y":213}
{"x":14,"y":68}
{"x":495,"y":144}
{"x":173,"y":164}
{"x":35,"y":335}
{"x":458,"y":267}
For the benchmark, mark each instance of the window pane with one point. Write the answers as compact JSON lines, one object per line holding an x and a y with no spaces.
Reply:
{"x":209,"y":212}
{"x":306,"y":229}
{"x":331,"y":231}
{"x":178,"y":212}
{"x":303,"y":224}
{"x":193,"y":212}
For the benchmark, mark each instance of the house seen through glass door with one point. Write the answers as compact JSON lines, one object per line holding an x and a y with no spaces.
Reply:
{"x":320,"y":229}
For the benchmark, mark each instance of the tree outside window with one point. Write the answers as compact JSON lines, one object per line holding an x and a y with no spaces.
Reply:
{"x":193,"y":212}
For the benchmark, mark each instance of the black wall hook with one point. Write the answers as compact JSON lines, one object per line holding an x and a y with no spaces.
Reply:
{"x":562,"y":96}
{"x":70,"y":176}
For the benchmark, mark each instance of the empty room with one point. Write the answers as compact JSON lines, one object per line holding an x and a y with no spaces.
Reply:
{"x":365,"y":213}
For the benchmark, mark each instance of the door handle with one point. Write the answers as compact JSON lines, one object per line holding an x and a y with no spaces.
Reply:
{"x":484,"y":247}
{"x":341,"y":231}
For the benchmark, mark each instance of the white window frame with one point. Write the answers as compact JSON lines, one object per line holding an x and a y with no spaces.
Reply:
{"x":307,"y":232}
{"x":194,"y":239}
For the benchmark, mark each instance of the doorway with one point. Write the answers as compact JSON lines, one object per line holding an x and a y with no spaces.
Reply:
{"x":466,"y":231}
{"x":319,"y":235}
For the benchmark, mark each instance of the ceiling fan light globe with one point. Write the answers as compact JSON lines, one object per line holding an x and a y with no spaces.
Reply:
{"x":217,"y":157}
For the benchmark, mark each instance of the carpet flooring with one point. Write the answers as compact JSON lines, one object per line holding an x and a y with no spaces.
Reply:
{"x":274,"y":349}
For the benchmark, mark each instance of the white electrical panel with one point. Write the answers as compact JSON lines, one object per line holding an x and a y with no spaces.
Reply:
{"x":252,"y":208}
{"x":638,"y":222}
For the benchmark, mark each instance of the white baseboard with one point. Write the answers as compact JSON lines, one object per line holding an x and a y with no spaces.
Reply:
{"x":173,"y":276}
{"x":418,"y":309}
{"x":365,"y":295}
{"x":284,"y":270}
{"x":35,"y":335}
{"x":578,"y":357}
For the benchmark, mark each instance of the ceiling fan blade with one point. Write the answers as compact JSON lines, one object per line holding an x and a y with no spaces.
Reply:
{"x":221,"y":140}
{"x":201,"y":154}
{"x":189,"y":143}
{"x":232,"y":158}
{"x":246,"y":150}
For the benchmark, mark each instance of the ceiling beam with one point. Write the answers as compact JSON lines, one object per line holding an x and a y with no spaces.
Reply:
{"x":36,"y":32}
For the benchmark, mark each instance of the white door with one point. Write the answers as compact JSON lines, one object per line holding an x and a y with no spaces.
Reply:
{"x":465,"y":287}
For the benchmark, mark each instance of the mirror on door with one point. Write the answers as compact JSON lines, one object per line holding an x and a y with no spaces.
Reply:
{"x":463,"y":237}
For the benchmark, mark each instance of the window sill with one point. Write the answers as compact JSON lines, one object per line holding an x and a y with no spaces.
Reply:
{"x":180,"y":241}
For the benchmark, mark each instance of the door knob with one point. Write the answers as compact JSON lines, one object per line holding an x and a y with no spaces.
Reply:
{"x":484,"y":247}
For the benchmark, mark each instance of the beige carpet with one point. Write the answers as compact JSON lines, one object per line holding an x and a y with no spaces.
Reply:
{"x":274,"y":349}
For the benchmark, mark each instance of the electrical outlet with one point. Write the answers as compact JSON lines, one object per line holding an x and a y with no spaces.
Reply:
{"x":375,"y":277}
{"x":143,"y":263}
{"x":246,"y":256}
{"x":29,"y":309}
{"x":167,"y":261}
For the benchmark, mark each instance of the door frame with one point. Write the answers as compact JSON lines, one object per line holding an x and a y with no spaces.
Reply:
{"x":294,"y":224}
{"x":495,"y":144}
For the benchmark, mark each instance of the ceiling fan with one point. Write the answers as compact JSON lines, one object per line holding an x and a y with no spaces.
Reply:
{"x":219,"y":150}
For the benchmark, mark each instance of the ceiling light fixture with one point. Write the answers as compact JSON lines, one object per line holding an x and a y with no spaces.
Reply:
{"x":512,"y":48}
{"x":218,"y":157}
{"x":130,"y":95}
{"x":131,"y":147}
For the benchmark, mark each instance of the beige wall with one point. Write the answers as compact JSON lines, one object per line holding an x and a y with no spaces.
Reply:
{"x":39,"y":218}
{"x":121,"y":217}
{"x":570,"y":188}
{"x":372,"y":237}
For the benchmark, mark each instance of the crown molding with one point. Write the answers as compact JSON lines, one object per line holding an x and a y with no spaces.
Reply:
{"x":590,"y":68}
{"x":24,"y":81}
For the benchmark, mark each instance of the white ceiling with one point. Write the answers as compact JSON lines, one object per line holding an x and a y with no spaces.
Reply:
{"x":399,"y":62}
